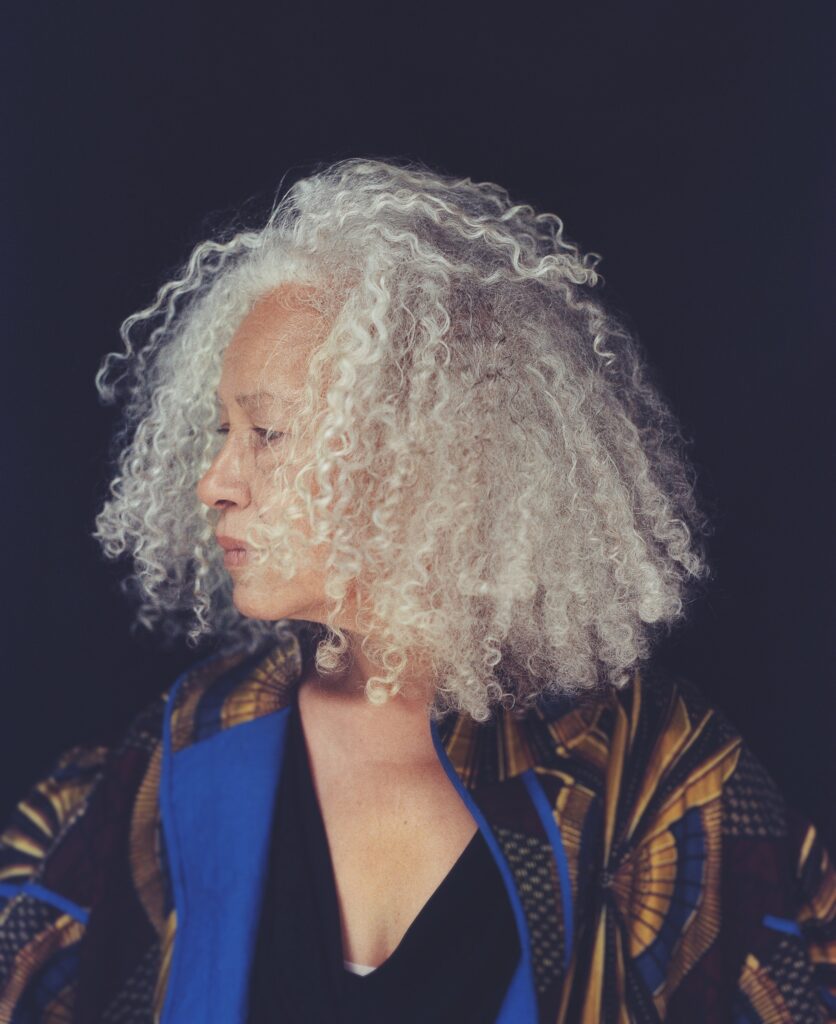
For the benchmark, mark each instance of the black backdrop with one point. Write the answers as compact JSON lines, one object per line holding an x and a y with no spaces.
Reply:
{"x":691,"y":145}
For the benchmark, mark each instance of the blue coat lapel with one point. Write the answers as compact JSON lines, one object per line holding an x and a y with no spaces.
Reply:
{"x":223,"y":750}
{"x":520,"y":1003}
{"x":216,"y":800}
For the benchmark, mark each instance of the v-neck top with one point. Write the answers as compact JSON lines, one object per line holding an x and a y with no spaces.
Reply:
{"x":454,"y":962}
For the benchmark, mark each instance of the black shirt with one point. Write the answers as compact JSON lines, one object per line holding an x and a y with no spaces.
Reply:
{"x":453,"y":964}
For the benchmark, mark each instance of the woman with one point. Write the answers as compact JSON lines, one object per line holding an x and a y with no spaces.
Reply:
{"x":394,"y":459}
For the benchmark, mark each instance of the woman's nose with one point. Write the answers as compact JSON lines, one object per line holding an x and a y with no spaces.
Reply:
{"x":223,"y":484}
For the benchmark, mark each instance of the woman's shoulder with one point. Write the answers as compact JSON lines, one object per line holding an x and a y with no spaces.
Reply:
{"x":662,"y":729}
{"x":658,"y":754}
{"x":83,"y":848}
{"x":227,"y":685}
{"x":56,"y":802}
{"x":58,"y":848}
{"x":708,"y":868}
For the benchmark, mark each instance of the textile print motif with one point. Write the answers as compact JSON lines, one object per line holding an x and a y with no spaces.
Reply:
{"x":698,"y":895}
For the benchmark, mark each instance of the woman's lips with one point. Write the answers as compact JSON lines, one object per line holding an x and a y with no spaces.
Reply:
{"x":235,"y":551}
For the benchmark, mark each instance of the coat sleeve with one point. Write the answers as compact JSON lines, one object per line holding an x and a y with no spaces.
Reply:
{"x":768,"y":893}
{"x":41,"y":923}
{"x":719,"y":898}
{"x":780,"y":906}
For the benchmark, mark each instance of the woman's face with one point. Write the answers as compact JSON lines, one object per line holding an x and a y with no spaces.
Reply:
{"x":263,"y":372}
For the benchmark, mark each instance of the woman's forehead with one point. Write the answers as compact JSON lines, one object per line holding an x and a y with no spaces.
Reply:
{"x":276,"y":321}
{"x":271,"y":347}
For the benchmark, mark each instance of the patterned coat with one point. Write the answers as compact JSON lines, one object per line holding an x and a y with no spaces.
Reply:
{"x":653,"y":869}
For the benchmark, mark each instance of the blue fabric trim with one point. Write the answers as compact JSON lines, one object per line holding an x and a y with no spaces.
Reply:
{"x":167,"y":819}
{"x":826,"y":997}
{"x":520,"y":1003}
{"x":544,"y":810}
{"x":38,"y":892}
{"x":217,"y":800}
{"x":781,"y":924}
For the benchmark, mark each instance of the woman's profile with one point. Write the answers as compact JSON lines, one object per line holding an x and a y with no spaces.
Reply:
{"x":404,"y":475}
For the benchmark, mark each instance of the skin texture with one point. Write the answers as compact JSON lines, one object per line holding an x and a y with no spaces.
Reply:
{"x":280,"y":323}
{"x":236,"y":480}
{"x":385,"y":798}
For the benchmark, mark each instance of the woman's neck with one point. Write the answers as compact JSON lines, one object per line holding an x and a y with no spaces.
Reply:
{"x":397,"y":732}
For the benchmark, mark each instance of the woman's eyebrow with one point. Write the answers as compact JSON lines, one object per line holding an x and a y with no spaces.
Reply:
{"x":250,"y":402}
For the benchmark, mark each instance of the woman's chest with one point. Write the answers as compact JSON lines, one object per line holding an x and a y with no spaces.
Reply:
{"x":394,"y":832}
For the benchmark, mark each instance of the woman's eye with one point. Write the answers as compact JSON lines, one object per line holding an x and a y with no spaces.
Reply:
{"x":264,"y":433}
{"x":267,"y":435}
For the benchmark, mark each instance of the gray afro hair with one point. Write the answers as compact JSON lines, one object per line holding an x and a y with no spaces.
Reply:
{"x":512,"y":493}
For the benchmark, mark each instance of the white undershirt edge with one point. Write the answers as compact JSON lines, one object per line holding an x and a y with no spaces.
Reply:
{"x":358,"y":968}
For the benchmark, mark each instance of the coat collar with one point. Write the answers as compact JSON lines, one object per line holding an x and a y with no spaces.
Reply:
{"x":223,"y":692}
{"x":223,"y":745}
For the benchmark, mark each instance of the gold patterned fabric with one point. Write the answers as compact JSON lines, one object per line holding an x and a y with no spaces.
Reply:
{"x":691,"y":892}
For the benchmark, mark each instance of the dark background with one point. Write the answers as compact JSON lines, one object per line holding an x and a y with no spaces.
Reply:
{"x":691,"y":145}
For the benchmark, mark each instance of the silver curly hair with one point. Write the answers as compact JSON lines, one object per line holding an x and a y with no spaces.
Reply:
{"x":495,"y":471}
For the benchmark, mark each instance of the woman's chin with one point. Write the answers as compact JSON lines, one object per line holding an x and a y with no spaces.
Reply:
{"x":254,"y":606}
{"x":246,"y":602}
